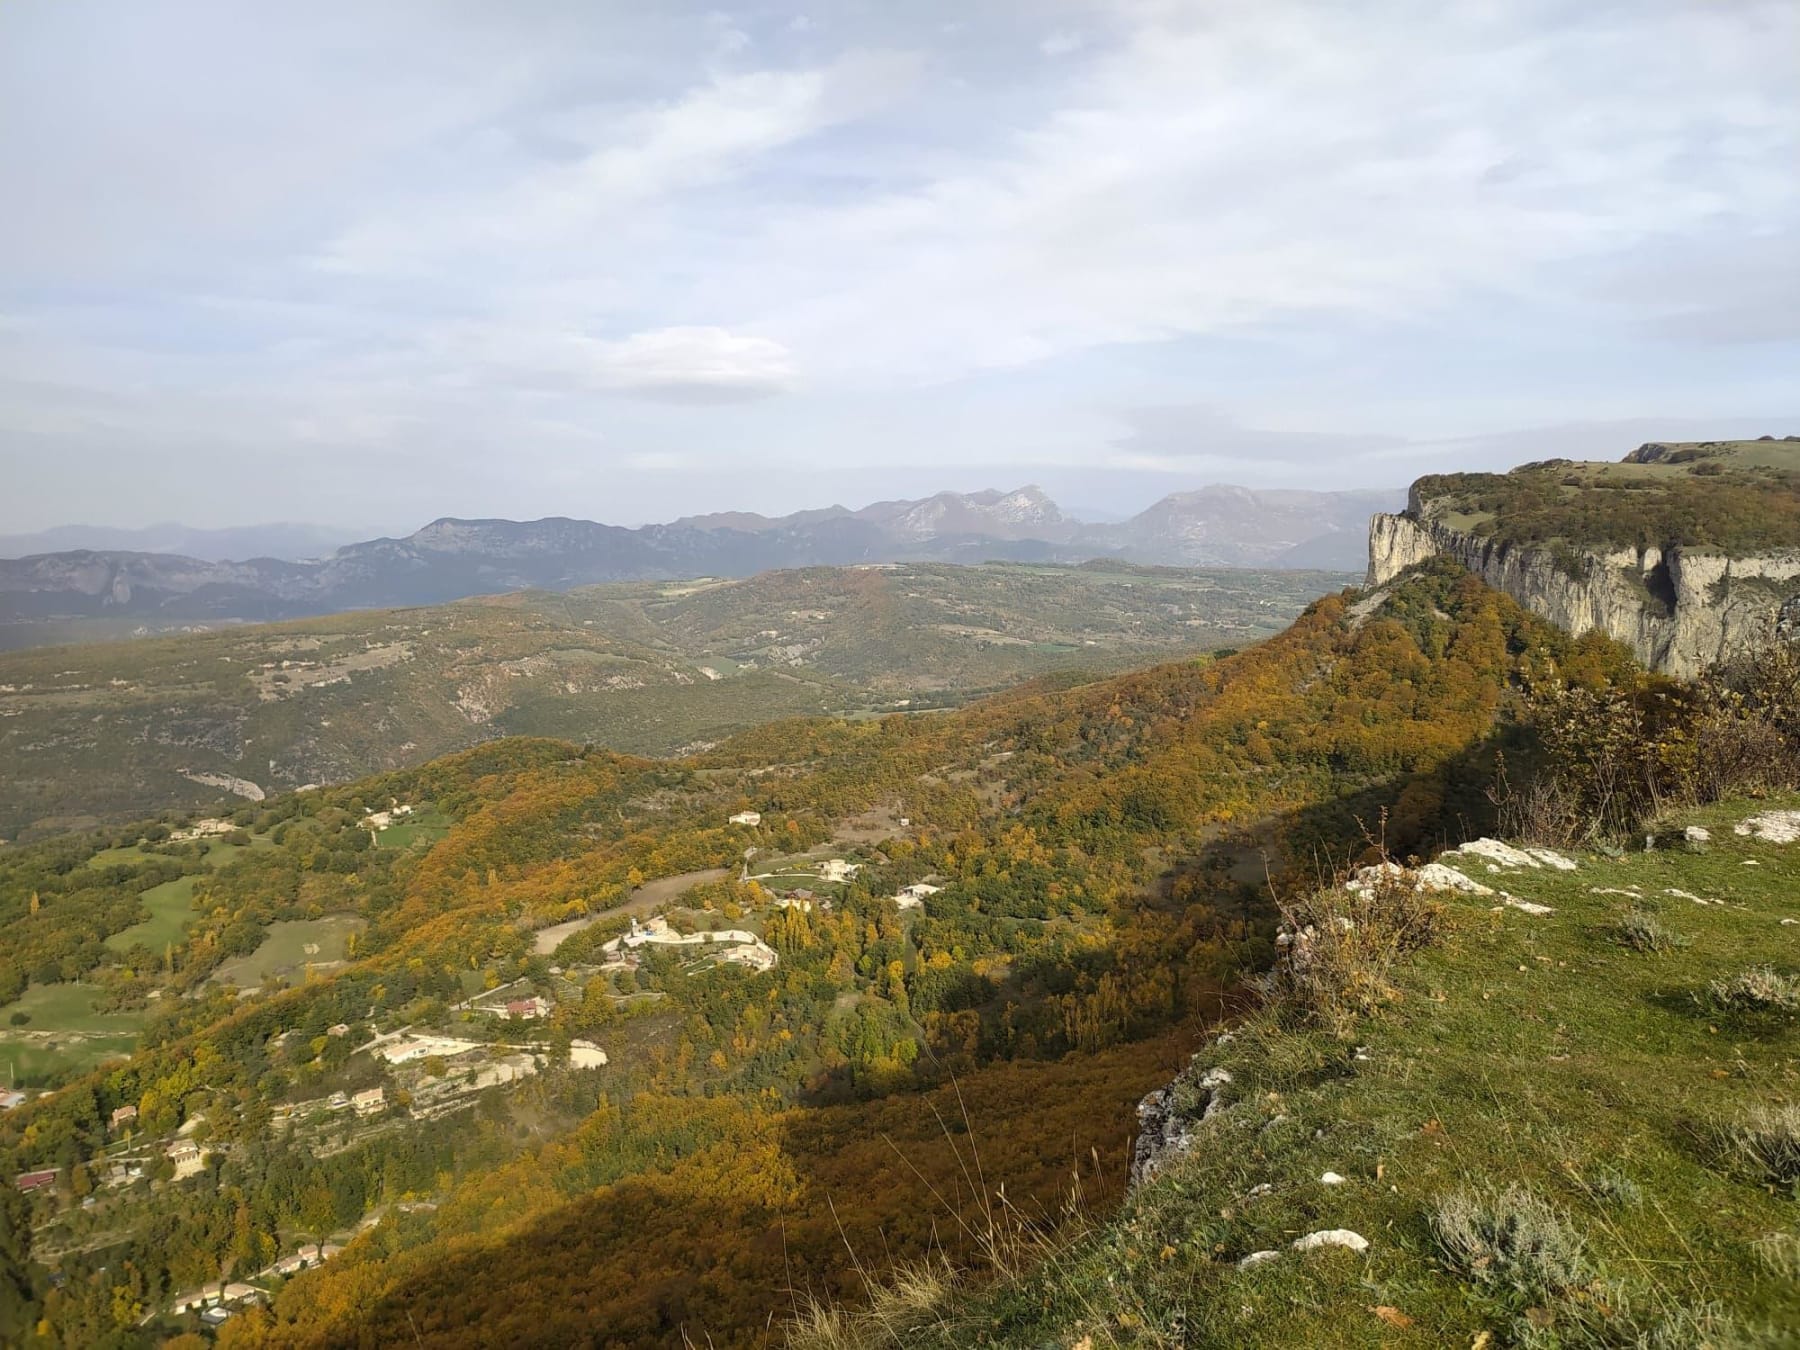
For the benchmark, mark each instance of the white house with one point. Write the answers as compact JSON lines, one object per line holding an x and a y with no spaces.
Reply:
{"x":836,"y":869}
{"x":913,"y":896}
{"x":751,"y":818}
{"x":369,"y":1101}
{"x":186,"y":1156}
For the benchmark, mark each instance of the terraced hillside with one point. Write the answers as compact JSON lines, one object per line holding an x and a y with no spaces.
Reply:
{"x":106,"y":731}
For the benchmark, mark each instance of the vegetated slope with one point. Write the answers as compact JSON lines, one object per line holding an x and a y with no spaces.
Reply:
{"x":1098,"y":851}
{"x":106,"y":732}
{"x":1685,"y":553}
{"x":1734,"y":497}
{"x":1571,"y":1126}
{"x":65,"y":596}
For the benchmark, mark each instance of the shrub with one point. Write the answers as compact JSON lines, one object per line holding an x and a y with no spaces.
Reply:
{"x":1340,"y":945}
{"x":1642,"y":931}
{"x":1779,"y":1254}
{"x":1767,"y":1143}
{"x":1614,"y":1188}
{"x":1760,"y":989}
{"x":1511,"y":1240}
{"x":1613,"y":759}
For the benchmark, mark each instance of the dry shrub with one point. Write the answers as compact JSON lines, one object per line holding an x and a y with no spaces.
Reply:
{"x":1642,"y":931}
{"x":1760,"y":989}
{"x":1512,"y":1240}
{"x":1340,"y":946}
{"x":1767,"y":1143}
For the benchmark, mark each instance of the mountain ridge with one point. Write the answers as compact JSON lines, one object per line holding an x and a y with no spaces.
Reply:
{"x":452,"y":558}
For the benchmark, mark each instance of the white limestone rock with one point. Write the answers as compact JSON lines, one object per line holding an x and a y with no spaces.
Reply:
{"x":1332,"y":1237}
{"x":1775,"y":827}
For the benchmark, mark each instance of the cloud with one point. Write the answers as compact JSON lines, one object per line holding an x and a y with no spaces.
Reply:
{"x":1296,"y":237}
{"x":711,"y":133}
{"x":1204,"y":439}
{"x":695,"y":365}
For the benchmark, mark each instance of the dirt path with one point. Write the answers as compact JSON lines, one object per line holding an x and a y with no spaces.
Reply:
{"x":644,"y":899}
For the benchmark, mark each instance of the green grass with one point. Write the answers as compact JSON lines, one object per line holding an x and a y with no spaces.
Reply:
{"x":1530,"y":1052}
{"x":427,"y":827}
{"x":65,"y":1033}
{"x":170,"y":906}
{"x":284,"y":951}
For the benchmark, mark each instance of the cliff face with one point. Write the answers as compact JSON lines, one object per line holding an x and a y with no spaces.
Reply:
{"x":1679,"y":609}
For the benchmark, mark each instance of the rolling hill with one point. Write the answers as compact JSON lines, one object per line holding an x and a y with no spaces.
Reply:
{"x":116,"y":730}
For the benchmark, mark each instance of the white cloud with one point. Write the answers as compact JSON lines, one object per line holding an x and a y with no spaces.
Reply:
{"x":695,"y":365}
{"x":1228,"y":166}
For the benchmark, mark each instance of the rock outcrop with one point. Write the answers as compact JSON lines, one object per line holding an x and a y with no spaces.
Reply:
{"x":1679,"y":610}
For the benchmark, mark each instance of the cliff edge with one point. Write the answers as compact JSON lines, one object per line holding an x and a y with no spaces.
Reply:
{"x":1688,"y":554}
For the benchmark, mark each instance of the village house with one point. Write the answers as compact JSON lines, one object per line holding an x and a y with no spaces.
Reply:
{"x":124,"y":1115}
{"x":836,"y":869}
{"x":528,"y":1009}
{"x":913,"y":896}
{"x":308,"y":1255}
{"x":186,"y":1156}
{"x":369,"y":1101}
{"x":751,"y":818}
{"x":36,"y":1181}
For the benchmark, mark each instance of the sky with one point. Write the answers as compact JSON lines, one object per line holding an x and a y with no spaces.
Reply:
{"x":371,"y":264}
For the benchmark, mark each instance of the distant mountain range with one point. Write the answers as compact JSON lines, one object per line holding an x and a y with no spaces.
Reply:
{"x":280,"y":540}
{"x":449,"y":559}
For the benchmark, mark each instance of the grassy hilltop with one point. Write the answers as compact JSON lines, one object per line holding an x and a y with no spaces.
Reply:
{"x":1572,"y":1128}
{"x":1738,"y":497}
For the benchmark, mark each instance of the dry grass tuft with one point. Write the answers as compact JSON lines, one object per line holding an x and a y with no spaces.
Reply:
{"x":1760,"y":989}
{"x":1511,"y":1239}
{"x":1341,"y":945}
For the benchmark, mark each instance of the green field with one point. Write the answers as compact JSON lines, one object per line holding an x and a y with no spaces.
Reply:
{"x":64,"y":1033}
{"x":292,"y":944}
{"x":427,"y":826}
{"x":171,"y":905}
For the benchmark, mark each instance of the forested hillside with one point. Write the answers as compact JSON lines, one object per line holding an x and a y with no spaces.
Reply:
{"x":960,"y":948}
{"x":108,"y":732}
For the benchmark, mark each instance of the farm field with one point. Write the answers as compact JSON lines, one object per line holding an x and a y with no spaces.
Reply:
{"x":291,"y":945}
{"x":171,"y":905}
{"x":64,"y":1032}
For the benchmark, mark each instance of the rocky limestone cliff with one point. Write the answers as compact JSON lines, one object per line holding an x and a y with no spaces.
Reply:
{"x":1680,"y":610}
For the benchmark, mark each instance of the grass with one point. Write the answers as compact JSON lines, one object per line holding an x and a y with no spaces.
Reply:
{"x":170,"y":906}
{"x":1545,"y":1138}
{"x":65,"y":1034}
{"x":426,"y":826}
{"x":291,"y":945}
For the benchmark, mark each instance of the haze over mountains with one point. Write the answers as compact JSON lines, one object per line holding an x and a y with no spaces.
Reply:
{"x":448,"y":559}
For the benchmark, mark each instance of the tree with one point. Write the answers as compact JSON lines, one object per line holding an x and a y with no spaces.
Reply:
{"x":18,"y":1293}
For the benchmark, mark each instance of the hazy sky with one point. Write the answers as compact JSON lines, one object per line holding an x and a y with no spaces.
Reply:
{"x":372,"y":263}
